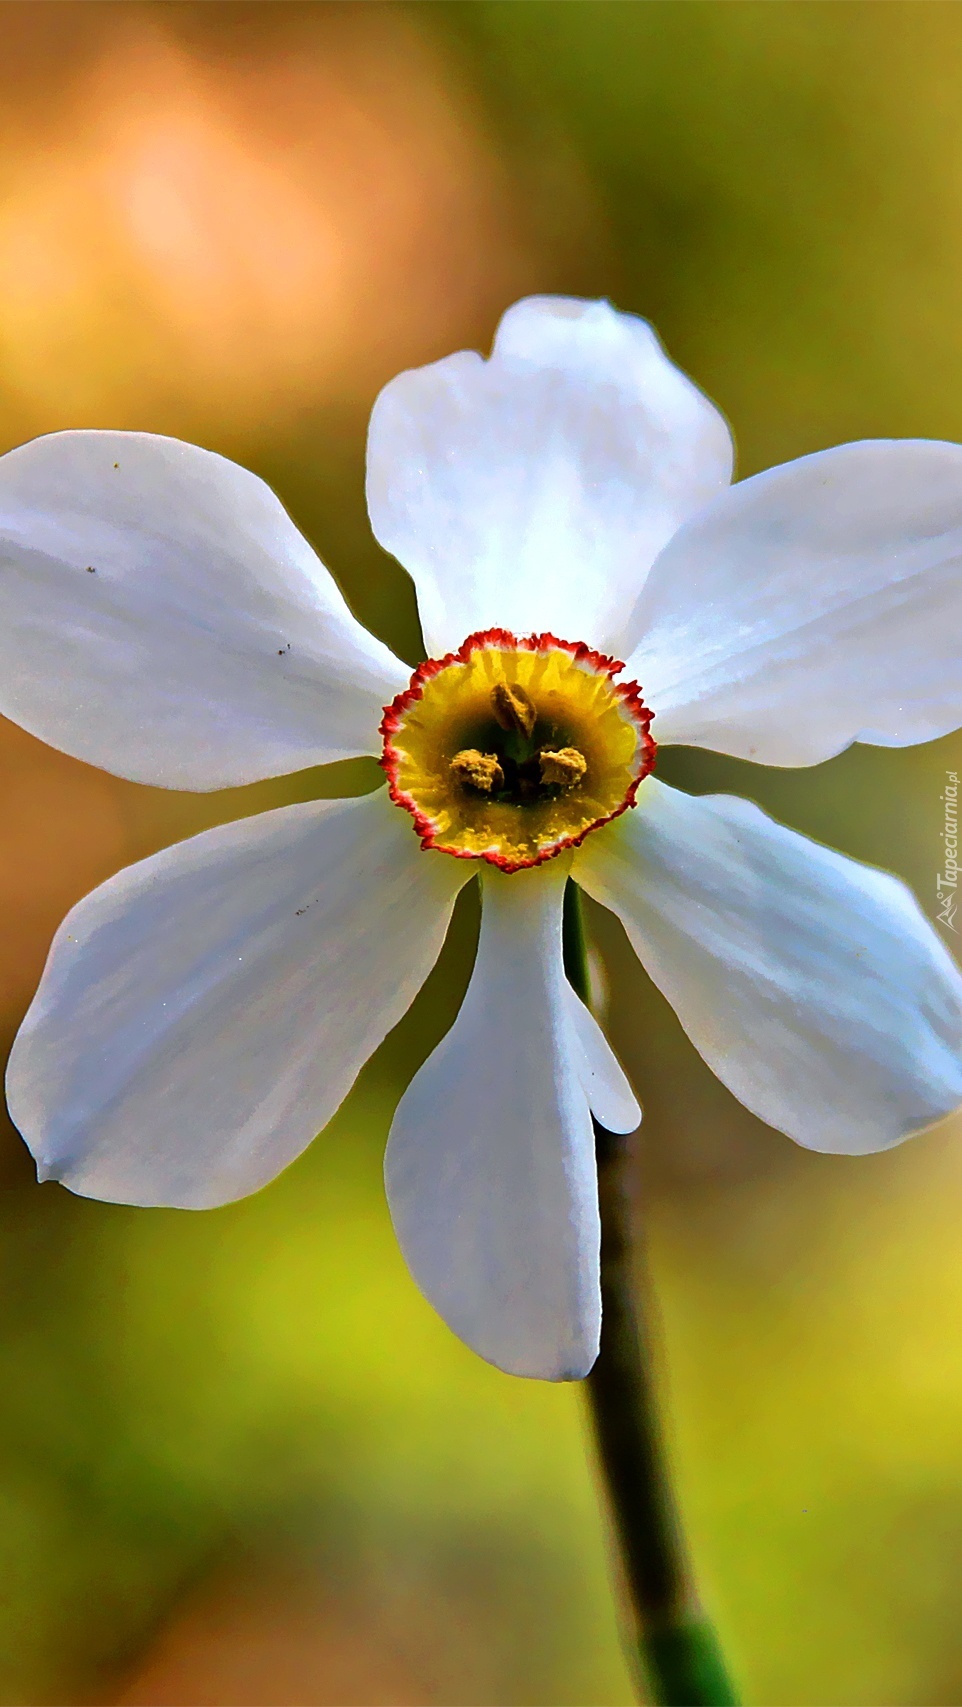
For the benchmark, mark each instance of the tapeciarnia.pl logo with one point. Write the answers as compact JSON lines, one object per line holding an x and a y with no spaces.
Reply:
{"x":946,"y":884}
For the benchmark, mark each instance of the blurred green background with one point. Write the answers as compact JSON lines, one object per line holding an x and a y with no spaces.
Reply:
{"x":241,"y":1462}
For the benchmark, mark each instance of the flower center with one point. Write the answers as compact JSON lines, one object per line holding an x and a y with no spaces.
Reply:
{"x":510,"y":750}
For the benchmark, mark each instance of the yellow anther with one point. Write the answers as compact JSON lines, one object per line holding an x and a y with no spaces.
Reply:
{"x":563,"y":766}
{"x":478,"y":770}
{"x":513,"y":708}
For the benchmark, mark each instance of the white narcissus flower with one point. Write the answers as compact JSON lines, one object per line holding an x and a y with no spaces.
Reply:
{"x":564,"y":504}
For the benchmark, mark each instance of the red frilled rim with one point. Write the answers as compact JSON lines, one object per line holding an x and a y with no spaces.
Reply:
{"x":629,"y":693}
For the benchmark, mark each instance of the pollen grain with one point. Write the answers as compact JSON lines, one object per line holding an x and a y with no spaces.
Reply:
{"x":513,"y":709}
{"x":477,"y":770}
{"x":562,"y":769}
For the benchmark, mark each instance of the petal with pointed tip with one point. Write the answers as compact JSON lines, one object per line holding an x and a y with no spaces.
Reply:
{"x":203,"y":1013}
{"x":813,"y":986}
{"x":534,"y":490}
{"x":490,"y":1165}
{"x":161,"y":616}
{"x":812,"y":606}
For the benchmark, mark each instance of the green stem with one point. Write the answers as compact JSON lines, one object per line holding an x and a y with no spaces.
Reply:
{"x":672,"y":1638}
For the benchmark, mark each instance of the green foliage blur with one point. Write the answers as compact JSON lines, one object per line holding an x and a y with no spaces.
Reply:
{"x":240,"y":1459}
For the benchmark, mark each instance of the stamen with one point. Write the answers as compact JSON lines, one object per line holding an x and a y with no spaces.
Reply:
{"x":513,"y":709}
{"x":474,"y":769}
{"x":565,"y":766}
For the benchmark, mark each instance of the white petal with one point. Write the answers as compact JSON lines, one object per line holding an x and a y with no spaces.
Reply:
{"x":203,"y":1014}
{"x":610,"y":1097}
{"x":490,"y":1166}
{"x":812,"y":985}
{"x":161,"y":616}
{"x":533,"y":491}
{"x":814,"y":605}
